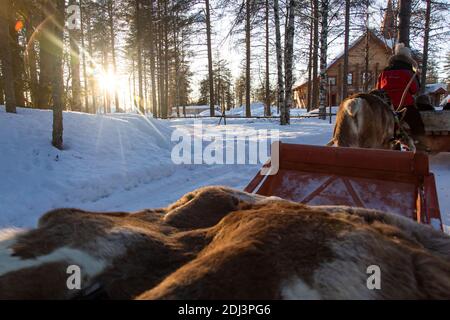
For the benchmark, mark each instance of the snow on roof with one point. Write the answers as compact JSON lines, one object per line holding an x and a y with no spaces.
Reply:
{"x":388,"y":42}
{"x":435,"y":87}
{"x":341,"y":54}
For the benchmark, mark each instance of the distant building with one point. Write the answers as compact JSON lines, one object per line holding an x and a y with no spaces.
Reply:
{"x":379,"y":53}
{"x":436,"y":91}
{"x":380,"y":49}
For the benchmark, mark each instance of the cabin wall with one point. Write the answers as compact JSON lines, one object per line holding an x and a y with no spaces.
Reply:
{"x":378,"y":60}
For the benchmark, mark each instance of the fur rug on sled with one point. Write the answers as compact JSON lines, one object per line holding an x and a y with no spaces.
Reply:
{"x":219,"y":243}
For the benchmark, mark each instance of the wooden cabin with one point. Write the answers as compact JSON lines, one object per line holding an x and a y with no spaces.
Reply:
{"x":379,"y":52}
{"x":436,"y":91}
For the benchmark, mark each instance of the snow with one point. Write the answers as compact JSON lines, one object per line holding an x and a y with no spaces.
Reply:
{"x":257,"y":110}
{"x":206,"y":113}
{"x":334,"y":110}
{"x":435,"y":87}
{"x":122,"y":162}
{"x":388,"y":42}
{"x":202,"y":110}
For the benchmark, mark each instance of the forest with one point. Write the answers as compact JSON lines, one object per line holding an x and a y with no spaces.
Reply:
{"x":224,"y":150}
{"x":156,"y":57}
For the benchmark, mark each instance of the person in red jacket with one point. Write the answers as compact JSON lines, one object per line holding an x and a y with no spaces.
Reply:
{"x":394,"y":80}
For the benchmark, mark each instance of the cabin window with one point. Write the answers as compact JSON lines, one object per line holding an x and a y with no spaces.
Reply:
{"x":332,"y":81}
{"x":366,"y":77}
{"x":350,"y":78}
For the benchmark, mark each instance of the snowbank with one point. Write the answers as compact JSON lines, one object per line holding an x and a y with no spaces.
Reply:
{"x":123,"y":162}
{"x":257,"y":110}
{"x":206,"y":113}
{"x":102,"y":155}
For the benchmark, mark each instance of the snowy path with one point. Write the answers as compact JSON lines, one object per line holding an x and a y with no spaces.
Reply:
{"x":186,"y":178}
{"x":122,"y":162}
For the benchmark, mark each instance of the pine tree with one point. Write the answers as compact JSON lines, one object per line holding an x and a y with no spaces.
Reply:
{"x":288,"y":63}
{"x":432,"y":75}
{"x":315,"y":87}
{"x":404,"y":22}
{"x":75,"y":37}
{"x":56,"y":32}
{"x":267,"y":111}
{"x":447,"y":68}
{"x":346,"y":50}
{"x":323,"y":57}
{"x":248,"y":16}
{"x":210,"y":62}
{"x":6,"y":55}
{"x":280,"y":81}
{"x":425,"y":46}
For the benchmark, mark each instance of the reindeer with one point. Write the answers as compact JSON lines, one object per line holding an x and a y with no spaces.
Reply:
{"x":368,"y":120}
{"x":365,"y":120}
{"x":220,"y":243}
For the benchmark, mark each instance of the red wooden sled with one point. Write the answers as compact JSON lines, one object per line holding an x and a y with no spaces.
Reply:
{"x":390,"y":181}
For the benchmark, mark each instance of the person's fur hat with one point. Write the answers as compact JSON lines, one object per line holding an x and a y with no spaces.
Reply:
{"x":402,"y":53}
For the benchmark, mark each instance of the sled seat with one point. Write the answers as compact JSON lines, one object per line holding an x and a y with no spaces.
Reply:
{"x":390,"y":181}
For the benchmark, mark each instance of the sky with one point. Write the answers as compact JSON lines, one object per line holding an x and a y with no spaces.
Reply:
{"x":231,"y":50}
{"x":227,"y":48}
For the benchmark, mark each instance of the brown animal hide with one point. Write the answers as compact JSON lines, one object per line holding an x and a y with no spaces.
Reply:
{"x":364,"y":120}
{"x":219,"y":243}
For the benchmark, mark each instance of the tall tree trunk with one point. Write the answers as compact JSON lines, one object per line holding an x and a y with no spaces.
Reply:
{"x":346,"y":49}
{"x":152,"y":62}
{"x":404,"y":22}
{"x":267,"y":111}
{"x":210,"y":63}
{"x":139,"y":56}
{"x":113,"y":50}
{"x":5,"y":50}
{"x":57,"y":33}
{"x":323,"y":59}
{"x":166,"y":63}
{"x":161,"y":78}
{"x":83,"y":47}
{"x":133,"y":71}
{"x":31,"y":60}
{"x":426,"y":38}
{"x":74,"y":35}
{"x":248,"y":112}
{"x":91,"y":63}
{"x":144,"y":63}
{"x":366,"y":52}
{"x":18,"y":63}
{"x":315,"y":90}
{"x":310,"y":57}
{"x":106,"y":92}
{"x":177,"y":65}
{"x":280,"y":91}
{"x":45,"y":57}
{"x":288,"y":63}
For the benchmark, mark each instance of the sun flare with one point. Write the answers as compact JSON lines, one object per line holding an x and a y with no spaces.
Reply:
{"x":107,"y":81}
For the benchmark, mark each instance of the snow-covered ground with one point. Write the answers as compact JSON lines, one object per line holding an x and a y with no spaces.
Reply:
{"x":123,"y":162}
{"x":257,"y":110}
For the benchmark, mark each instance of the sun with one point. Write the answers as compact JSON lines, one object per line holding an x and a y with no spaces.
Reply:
{"x":107,"y":80}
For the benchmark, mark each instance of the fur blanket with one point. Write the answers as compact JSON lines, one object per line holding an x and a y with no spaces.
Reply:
{"x":219,"y":243}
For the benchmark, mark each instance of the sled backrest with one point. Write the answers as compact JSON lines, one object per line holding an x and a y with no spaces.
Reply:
{"x":391,"y":181}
